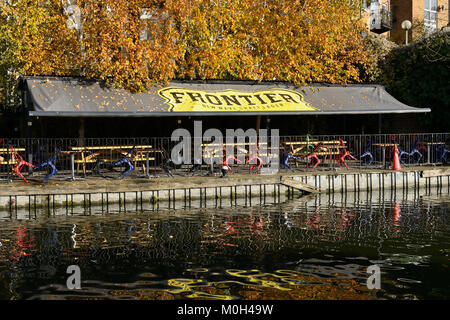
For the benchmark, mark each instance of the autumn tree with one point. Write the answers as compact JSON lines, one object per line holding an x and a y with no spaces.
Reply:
{"x":298,"y":41}
{"x":135,"y":43}
{"x":33,"y":40}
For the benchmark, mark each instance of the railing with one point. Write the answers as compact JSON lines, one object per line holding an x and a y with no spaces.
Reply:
{"x":37,"y":150}
{"x":386,"y":18}
{"x":381,"y":21}
{"x":359,"y":144}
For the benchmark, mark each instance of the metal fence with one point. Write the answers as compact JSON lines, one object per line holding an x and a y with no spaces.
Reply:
{"x":430,"y":149}
{"x":38,"y":150}
{"x":431,"y":146}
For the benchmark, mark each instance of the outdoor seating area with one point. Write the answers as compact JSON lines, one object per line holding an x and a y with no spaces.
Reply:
{"x":71,"y":159}
{"x":113,"y":155}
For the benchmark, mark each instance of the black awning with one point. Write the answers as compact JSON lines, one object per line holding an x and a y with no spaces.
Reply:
{"x":68,"y":97}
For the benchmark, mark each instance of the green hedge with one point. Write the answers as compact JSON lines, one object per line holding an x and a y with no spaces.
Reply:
{"x":419,"y":75}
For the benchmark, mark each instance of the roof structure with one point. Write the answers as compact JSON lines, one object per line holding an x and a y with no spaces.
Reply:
{"x":66,"y":97}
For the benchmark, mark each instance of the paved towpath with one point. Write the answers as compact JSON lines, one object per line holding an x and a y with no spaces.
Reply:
{"x":98,"y":184}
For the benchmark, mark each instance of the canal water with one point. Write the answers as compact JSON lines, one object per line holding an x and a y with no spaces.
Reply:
{"x":315,"y":247}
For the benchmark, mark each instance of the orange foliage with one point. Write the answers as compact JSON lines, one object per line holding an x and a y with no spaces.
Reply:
{"x":300,"y":41}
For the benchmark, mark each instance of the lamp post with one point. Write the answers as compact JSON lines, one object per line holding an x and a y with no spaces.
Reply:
{"x":406,"y":25}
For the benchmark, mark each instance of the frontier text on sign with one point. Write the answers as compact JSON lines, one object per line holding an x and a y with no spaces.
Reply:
{"x":188,"y":100}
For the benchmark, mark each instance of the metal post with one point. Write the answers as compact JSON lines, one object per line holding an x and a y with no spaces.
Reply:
{"x":72,"y":163}
{"x":9,"y":165}
{"x":30,"y":159}
{"x":211,"y":168}
{"x":147,"y":165}
{"x":379,"y":123}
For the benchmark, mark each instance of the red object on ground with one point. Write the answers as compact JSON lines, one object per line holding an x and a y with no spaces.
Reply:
{"x":396,"y":166}
{"x":314,"y":162}
{"x":227,"y":158}
{"x":258,"y":162}
{"x":340,"y":158}
{"x":19,"y":163}
{"x":255,"y":156}
{"x":312,"y":155}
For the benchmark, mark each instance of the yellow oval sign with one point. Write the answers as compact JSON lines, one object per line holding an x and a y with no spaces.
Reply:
{"x":188,"y":100}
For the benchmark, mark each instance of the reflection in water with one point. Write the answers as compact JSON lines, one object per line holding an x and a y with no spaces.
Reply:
{"x":255,"y":285}
{"x":24,"y":241}
{"x":309,"y":248}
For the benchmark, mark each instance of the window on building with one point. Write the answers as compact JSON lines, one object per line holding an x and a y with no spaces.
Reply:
{"x":155,"y":20}
{"x":430,"y":18}
{"x":146,"y":14}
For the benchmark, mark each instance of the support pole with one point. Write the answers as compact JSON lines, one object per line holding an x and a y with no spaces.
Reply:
{"x":379,"y":123}
{"x":147,"y":165}
{"x":81,"y":131}
{"x":258,"y":124}
{"x":72,"y":164}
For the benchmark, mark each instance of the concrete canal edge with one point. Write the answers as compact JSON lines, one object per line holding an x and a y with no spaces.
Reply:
{"x":93,"y":191}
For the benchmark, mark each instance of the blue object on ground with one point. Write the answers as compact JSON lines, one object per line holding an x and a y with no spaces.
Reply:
{"x":126,"y":161}
{"x":284,"y":161}
{"x":50,"y":162}
{"x":369,"y":154}
{"x":415,"y":151}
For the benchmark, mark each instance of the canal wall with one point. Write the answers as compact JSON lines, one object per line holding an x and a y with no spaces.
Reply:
{"x":382,"y":198}
{"x":370,"y":180}
{"x":167,"y":192}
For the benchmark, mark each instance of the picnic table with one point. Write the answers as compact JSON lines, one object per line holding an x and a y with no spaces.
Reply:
{"x":384,"y":146}
{"x":215,"y":147}
{"x":328,"y":147}
{"x":93,"y":154}
{"x":12,"y":161}
{"x":211,"y":150}
{"x":7,"y":151}
{"x":429,"y":144}
{"x":304,"y":144}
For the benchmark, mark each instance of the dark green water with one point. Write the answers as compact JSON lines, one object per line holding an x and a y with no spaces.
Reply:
{"x":315,"y":248}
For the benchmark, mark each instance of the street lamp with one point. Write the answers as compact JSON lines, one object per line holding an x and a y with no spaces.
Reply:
{"x":406,"y":25}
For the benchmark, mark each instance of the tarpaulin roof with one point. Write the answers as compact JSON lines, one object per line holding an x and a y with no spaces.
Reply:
{"x":51,"y":96}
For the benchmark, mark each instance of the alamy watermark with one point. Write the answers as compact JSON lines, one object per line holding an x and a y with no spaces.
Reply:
{"x":374,"y":280}
{"x":74,"y":280}
{"x":212,"y":147}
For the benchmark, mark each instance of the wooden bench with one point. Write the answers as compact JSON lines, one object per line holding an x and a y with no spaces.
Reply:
{"x":328,"y":149}
{"x":114,"y":160}
{"x":230,"y":144}
{"x":85,"y":161}
{"x":312,"y":142}
{"x":99,"y":153}
{"x":331,"y":144}
{"x":7,"y":151}
{"x":8,"y":162}
{"x":110,"y":148}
